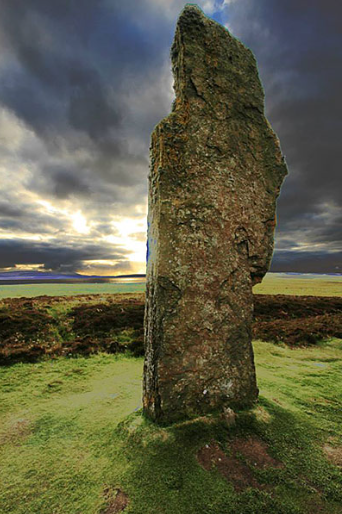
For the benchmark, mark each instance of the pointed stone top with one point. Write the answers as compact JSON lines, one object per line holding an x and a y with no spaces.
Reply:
{"x":203,"y":52}
{"x":191,"y":9}
{"x":194,"y":7}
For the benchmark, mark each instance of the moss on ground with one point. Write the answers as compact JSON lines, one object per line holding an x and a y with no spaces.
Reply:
{"x":36,"y":328}
{"x":74,"y":441}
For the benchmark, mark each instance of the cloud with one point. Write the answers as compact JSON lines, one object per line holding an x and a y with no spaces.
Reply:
{"x":81,"y":89}
{"x":307,"y":262}
{"x":56,"y":255}
{"x":299,"y":54}
{"x":65,"y":181}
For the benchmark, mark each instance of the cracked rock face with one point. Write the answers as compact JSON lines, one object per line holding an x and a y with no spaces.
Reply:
{"x":216,"y":172}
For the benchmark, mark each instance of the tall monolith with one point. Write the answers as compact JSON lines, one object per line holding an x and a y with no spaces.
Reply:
{"x":216,"y":172}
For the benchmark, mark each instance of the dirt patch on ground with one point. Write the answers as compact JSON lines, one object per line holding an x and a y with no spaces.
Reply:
{"x":117,"y":501}
{"x":236,"y":467}
{"x":101,"y":319}
{"x":31,"y":328}
{"x":16,"y":432}
{"x":299,"y":331}
{"x":255,"y":452}
{"x":232,"y":469}
{"x":104,"y":326}
{"x":262,"y":414}
{"x":25,"y":331}
{"x":334,"y":454}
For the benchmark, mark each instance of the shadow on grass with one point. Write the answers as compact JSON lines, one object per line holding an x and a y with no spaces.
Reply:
{"x":164,"y":475}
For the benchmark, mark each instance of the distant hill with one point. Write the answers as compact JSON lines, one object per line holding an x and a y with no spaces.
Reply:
{"x":36,"y":275}
{"x":21,"y":276}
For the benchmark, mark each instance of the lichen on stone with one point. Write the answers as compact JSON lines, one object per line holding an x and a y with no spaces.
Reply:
{"x":216,"y":172}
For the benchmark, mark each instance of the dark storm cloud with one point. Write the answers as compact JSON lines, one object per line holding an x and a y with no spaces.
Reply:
{"x":45,"y":39}
{"x":307,"y":262}
{"x":63,"y":181}
{"x":54,"y":256}
{"x":9,"y":210}
{"x":32,"y":223}
{"x":90,"y":79}
{"x":72,"y":60}
{"x":69,"y":67}
{"x":298,"y":45}
{"x":100,"y":182}
{"x":27,"y":218}
{"x":90,"y":110}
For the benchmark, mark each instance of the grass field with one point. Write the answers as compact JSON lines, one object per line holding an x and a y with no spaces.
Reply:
{"x":31,"y":290}
{"x":310,"y":285}
{"x":73,"y":436}
{"x":273,"y":283}
{"x":73,"y":439}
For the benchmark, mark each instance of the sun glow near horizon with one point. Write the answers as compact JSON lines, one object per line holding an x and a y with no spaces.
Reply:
{"x":130,"y":233}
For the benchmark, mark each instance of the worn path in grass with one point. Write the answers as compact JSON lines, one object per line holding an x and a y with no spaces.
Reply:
{"x":71,"y":438}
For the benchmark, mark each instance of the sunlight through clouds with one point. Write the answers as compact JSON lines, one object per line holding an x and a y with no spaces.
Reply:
{"x":80,"y":96}
{"x":129,"y":232}
{"x":80,"y":223}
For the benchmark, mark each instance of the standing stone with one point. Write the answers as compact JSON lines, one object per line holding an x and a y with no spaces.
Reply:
{"x":216,"y":171}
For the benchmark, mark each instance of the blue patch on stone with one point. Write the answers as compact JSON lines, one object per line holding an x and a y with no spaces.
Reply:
{"x":147,"y":243}
{"x":147,"y":251}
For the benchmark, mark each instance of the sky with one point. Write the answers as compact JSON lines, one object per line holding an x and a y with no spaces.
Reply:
{"x":84,"y":82}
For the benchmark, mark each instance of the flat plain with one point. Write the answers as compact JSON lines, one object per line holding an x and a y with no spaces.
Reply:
{"x":273,"y":283}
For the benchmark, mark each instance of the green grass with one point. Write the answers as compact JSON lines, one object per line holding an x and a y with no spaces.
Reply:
{"x":273,"y":283}
{"x":70,"y":428}
{"x":31,"y":290}
{"x":302,"y":285}
{"x":58,"y":424}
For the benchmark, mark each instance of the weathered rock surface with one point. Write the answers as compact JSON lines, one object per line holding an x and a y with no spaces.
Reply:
{"x":216,"y":171}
